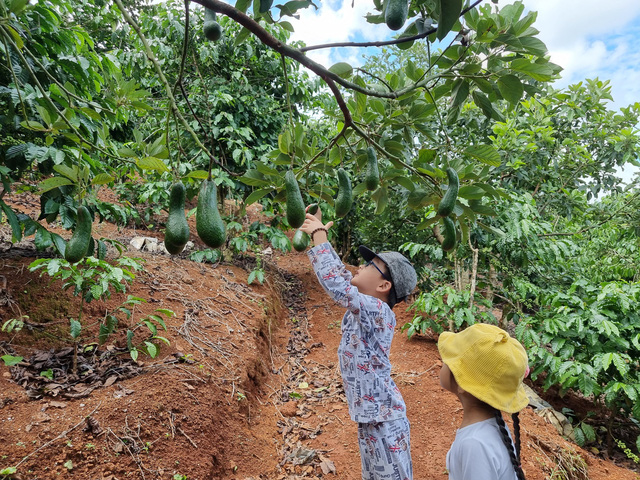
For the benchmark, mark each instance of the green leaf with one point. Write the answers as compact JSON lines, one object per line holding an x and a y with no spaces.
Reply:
{"x":253,"y":178}
{"x":449,"y":12}
{"x":381,"y":197}
{"x":8,"y":471}
{"x":579,"y":436}
{"x":200,"y":174}
{"x":482,"y":101}
{"x":152,"y":350}
{"x":511,"y":88}
{"x":589,"y":432}
{"x":257,"y":195}
{"x":537,"y":71}
{"x":16,"y":36}
{"x":242,"y":36}
{"x":341,"y":69}
{"x":53,"y":182}
{"x":70,"y":172}
{"x":486,"y":154}
{"x":134,"y":354}
{"x":471,"y":192}
{"x":43,"y":238}
{"x":74,"y":328}
{"x":152,"y":163}
{"x":16,"y":229}
{"x":33,"y":125}
{"x":102,"y":179}
{"x":10,"y":360}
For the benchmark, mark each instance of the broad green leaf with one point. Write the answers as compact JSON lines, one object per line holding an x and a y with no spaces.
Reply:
{"x":10,"y":360}
{"x":102,"y":179}
{"x":482,"y":101}
{"x":459,"y":93}
{"x":449,"y":12}
{"x":127,"y":152}
{"x":471,"y":192}
{"x":16,"y":37}
{"x":257,"y":195}
{"x":486,"y":154}
{"x":152,"y":163}
{"x":381,"y":197}
{"x":511,"y":88}
{"x":284,"y":142}
{"x":253,"y":178}
{"x":342,"y":69}
{"x":152,"y":350}
{"x":33,"y":125}
{"x":74,"y":328}
{"x":16,"y":228}
{"x":243,"y":5}
{"x":242,"y":36}
{"x":43,"y":238}
{"x":200,"y":174}
{"x":537,"y":71}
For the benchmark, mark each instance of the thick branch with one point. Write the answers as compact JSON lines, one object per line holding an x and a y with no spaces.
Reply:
{"x":299,"y":56}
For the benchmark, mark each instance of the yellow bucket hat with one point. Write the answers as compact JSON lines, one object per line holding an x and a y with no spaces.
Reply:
{"x":487,"y":363}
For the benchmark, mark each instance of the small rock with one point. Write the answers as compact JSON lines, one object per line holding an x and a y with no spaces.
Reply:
{"x":289,"y":409}
{"x":137,"y":242}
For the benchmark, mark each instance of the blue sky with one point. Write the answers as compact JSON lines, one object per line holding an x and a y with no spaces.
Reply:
{"x":588,"y":38}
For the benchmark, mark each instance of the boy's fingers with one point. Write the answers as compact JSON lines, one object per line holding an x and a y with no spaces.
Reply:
{"x":329,"y":225}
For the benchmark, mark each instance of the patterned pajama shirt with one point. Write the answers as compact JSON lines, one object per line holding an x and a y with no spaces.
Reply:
{"x":374,"y":400}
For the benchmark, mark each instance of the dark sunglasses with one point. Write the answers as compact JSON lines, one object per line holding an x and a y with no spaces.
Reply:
{"x":384,"y":275}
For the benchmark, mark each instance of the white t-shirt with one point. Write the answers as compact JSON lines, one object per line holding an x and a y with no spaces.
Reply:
{"x":478,"y":453}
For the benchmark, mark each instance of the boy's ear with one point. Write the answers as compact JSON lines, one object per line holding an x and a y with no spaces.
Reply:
{"x":384,"y":286}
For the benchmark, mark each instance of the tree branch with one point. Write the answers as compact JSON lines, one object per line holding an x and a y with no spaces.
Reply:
{"x":269,"y":40}
{"x":384,"y":43}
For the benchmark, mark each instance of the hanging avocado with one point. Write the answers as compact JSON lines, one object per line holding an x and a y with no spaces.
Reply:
{"x":212,"y":29}
{"x":176,"y":233}
{"x":78,"y":246}
{"x":209,"y":224}
{"x":295,"y":206}
{"x":344,"y":200}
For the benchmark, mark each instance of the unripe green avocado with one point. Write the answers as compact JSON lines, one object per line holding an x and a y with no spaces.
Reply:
{"x":209,"y":224}
{"x":449,"y":234}
{"x":344,"y":200}
{"x":295,"y":206}
{"x":300,"y":240}
{"x":77,"y":248}
{"x":396,"y":13}
{"x":448,"y":202}
{"x":212,"y":29}
{"x":176,"y":233}
{"x":372,"y":175}
{"x":313,"y":208}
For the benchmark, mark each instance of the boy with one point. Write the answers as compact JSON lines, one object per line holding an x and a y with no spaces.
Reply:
{"x":374,"y":400}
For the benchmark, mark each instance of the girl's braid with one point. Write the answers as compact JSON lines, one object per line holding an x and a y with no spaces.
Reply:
{"x":515,"y":457}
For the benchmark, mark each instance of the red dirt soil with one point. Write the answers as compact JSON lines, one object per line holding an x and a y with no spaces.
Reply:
{"x":260,"y":396}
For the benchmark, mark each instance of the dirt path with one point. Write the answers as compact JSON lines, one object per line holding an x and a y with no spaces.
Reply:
{"x":434,"y":414}
{"x":248,"y":389}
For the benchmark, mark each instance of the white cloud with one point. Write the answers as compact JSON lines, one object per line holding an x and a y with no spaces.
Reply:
{"x":589,"y":39}
{"x":337,"y":21}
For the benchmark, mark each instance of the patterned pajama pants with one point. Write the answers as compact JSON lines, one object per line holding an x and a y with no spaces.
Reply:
{"x":385,"y":450}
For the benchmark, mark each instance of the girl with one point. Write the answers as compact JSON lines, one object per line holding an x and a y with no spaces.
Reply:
{"x":484,"y":367}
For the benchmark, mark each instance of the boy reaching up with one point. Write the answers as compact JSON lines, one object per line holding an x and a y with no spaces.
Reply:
{"x":369,"y":296}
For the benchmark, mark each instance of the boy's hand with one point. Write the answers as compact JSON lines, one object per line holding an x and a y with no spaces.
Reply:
{"x":314,"y":222}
